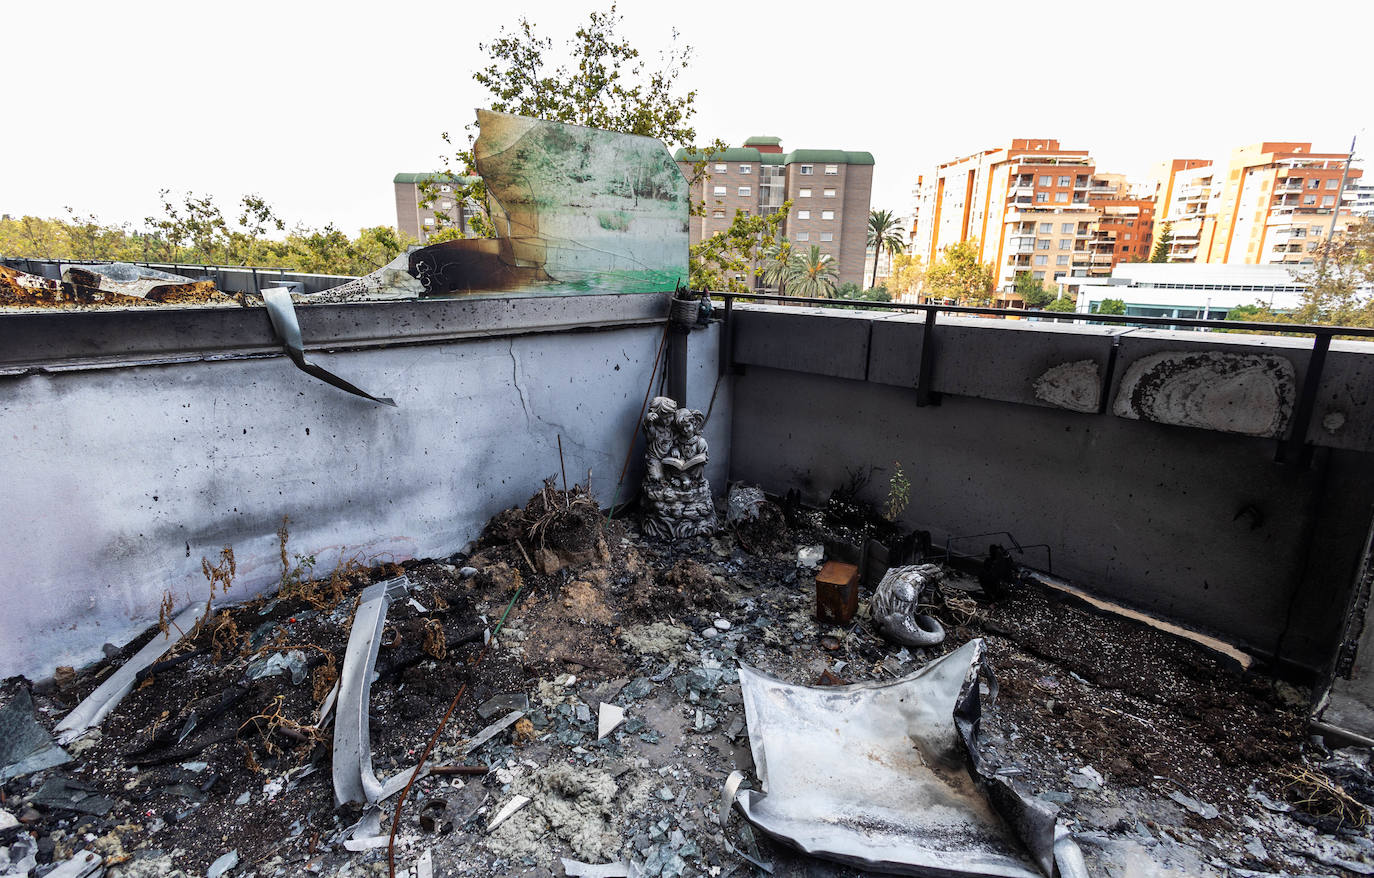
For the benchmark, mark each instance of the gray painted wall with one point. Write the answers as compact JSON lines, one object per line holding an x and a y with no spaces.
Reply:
{"x":1196,"y":525}
{"x":122,"y":477}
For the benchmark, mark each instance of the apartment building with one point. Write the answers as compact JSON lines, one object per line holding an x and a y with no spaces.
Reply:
{"x":1268,"y":203}
{"x":1033,"y":207}
{"x":830,"y":191}
{"x":420,"y":220}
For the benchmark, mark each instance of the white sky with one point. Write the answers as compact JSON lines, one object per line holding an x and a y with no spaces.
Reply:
{"x":316,"y":105}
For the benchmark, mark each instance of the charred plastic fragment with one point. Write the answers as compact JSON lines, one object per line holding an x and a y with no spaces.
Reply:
{"x":896,"y":606}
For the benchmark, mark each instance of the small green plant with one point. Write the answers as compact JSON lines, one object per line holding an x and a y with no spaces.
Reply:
{"x":898,"y":493}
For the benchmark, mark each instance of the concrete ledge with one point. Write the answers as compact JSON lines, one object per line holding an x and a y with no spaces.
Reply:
{"x":90,"y":339}
{"x":821,"y":341}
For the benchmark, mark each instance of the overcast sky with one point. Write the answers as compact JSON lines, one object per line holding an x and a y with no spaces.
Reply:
{"x":316,"y":106}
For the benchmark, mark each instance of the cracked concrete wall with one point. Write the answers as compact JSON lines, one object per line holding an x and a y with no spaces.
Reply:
{"x":121,"y":479}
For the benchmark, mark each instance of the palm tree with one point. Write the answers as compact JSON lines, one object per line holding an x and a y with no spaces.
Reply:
{"x":777,"y":264}
{"x":812,"y":274}
{"x":884,"y":233}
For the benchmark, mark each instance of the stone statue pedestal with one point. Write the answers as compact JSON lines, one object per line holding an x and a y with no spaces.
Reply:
{"x":675,"y":496}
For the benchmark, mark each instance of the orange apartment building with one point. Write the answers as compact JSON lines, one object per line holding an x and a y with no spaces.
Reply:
{"x":1034,"y":208}
{"x":1268,"y":203}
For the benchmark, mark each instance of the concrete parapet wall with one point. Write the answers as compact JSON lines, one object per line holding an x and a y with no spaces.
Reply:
{"x":1190,"y":518}
{"x":149,"y":440}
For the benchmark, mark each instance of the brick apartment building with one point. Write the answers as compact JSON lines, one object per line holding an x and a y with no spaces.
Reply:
{"x":1268,"y":203}
{"x":830,"y":191}
{"x":418,"y":221}
{"x":1034,"y":208}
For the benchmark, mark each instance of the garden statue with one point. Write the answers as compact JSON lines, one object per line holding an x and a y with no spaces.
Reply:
{"x":676,"y":497}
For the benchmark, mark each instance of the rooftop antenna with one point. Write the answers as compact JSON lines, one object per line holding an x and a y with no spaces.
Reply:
{"x":1336,"y":212}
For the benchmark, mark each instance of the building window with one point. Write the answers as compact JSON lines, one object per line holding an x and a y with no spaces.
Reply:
{"x":722,"y":168}
{"x":1333,"y":183}
{"x":1316,"y":231}
{"x":807,"y":170}
{"x":1042,"y":244}
{"x":720,"y":191}
{"x":803,"y":236}
{"x":1066,"y":243}
{"x":1042,"y":260}
{"x":1066,"y":228}
{"x":827,"y":236}
{"x":445,"y":205}
{"x":1041,"y":197}
{"x":1046,"y":228}
{"x":429,"y":220}
{"x":718,"y":214}
{"x":827,"y":214}
{"x":1062,"y":259}
{"x":1061,"y":197}
{"x":1314,"y":183}
{"x":1066,"y":181}
{"x":746,"y":169}
{"x":803,"y":214}
{"x":445,"y":188}
{"x":1328,"y":200}
{"x":1038,"y":275}
{"x":804,"y":193}
{"x":832,"y":170}
{"x":828,"y":193}
{"x":1046,"y":180}
{"x":745,"y":191}
{"x":1309,"y":199}
{"x":1128,"y":237}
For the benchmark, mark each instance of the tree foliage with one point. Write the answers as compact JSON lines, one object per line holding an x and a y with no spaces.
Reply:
{"x":1111,"y":306}
{"x":597,"y":78}
{"x":908,"y":272}
{"x":1032,"y":290}
{"x":194,"y":230}
{"x":1063,"y":304}
{"x":729,"y":260}
{"x":1160,"y":253}
{"x":958,"y":275}
{"x":884,"y":233}
{"x":1340,"y":285}
{"x":812,"y":274}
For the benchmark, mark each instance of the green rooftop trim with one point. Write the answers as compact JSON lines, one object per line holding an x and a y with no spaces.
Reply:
{"x":763,"y":141}
{"x":433,"y":177}
{"x":749,"y":154}
{"x":733,"y":154}
{"x":830,"y":156}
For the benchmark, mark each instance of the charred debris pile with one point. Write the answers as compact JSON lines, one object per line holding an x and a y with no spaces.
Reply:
{"x":599,"y":712}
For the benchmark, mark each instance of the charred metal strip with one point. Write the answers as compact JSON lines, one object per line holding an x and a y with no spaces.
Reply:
{"x":96,"y":706}
{"x":354,"y":780}
{"x":925,"y":394}
{"x":283,"y":316}
{"x":1295,"y":449}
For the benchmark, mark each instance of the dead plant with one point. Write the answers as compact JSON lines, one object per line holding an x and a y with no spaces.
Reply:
{"x":273,"y":722}
{"x":225,"y":634}
{"x":435,"y":643}
{"x":221,"y":575}
{"x":323,"y":678}
{"x":165,"y":614}
{"x":556,"y":504}
{"x":1321,"y":796}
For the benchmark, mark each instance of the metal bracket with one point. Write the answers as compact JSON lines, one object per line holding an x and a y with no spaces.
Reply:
{"x":926,"y":376}
{"x":1295,"y":449}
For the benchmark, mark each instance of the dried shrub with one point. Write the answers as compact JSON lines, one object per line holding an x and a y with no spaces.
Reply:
{"x":435,"y":643}
{"x":272,"y":725}
{"x":1322,"y":796}
{"x":225,"y":635}
{"x":323,"y":678}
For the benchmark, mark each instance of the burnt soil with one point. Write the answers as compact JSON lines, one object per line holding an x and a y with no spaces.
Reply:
{"x":1151,"y":711}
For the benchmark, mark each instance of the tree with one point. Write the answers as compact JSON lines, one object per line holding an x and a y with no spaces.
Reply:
{"x":812,"y":274}
{"x":884,"y":233}
{"x":959,"y":275}
{"x":1063,"y":304}
{"x":1111,"y":306}
{"x":723,"y":260}
{"x":907,"y":274}
{"x":603,"y":82}
{"x":1032,"y":290}
{"x":1160,"y":253}
{"x":1339,"y":285}
{"x":776,"y":262}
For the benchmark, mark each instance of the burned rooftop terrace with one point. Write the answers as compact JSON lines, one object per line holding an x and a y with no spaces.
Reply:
{"x":1124,"y":569}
